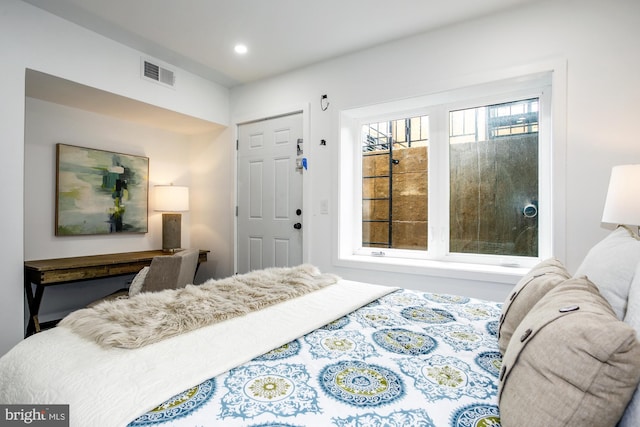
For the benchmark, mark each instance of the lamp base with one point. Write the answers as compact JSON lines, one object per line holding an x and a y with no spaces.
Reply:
{"x":171,"y":232}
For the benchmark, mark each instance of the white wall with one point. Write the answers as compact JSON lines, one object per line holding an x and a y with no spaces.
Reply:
{"x":597,"y":40}
{"x":31,"y":38}
{"x":47,"y":124}
{"x":213,"y":202}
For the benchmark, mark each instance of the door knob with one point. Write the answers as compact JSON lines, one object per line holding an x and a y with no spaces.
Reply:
{"x":298,"y":212}
{"x":297,"y":226}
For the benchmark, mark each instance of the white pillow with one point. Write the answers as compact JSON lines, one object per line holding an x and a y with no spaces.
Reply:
{"x":631,"y":417}
{"x":611,"y":264}
{"x":137,"y":282}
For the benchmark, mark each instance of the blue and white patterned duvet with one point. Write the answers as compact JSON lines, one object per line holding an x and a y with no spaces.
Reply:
{"x":408,"y":359}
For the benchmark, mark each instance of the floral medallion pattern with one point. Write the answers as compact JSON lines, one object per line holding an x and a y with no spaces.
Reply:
{"x":461,"y":337}
{"x":282,"y":390}
{"x":282,"y":352}
{"x":404,"y":341}
{"x":409,"y":359}
{"x":446,"y":299}
{"x":490,"y":361}
{"x":476,"y":415}
{"x":402,"y":418}
{"x":361,"y":384}
{"x":427,"y":315}
{"x":179,"y":406}
{"x":336,"y":344}
{"x":446,"y":377}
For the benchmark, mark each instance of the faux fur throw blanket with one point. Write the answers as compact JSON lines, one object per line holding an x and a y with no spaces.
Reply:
{"x":153,"y":316}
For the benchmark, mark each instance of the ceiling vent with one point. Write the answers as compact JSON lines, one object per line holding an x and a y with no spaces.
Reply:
{"x":157,"y":73}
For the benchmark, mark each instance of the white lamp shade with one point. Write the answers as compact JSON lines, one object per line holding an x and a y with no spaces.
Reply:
{"x":623,"y":197}
{"x":171,"y":198}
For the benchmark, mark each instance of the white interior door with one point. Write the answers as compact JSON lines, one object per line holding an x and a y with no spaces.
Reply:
{"x":269,"y":193}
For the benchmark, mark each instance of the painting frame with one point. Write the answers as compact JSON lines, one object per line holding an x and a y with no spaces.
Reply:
{"x":100,"y":192}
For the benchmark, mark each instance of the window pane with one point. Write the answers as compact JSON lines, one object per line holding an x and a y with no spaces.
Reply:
{"x":394,"y":184}
{"x":493,"y":154}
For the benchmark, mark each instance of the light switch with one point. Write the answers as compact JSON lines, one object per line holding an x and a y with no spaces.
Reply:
{"x":324,"y":206}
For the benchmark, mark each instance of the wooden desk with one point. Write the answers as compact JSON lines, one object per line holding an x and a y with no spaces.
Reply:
{"x":57,"y":271}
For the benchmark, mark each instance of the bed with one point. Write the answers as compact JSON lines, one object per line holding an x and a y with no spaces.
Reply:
{"x":377,"y":365}
{"x":356,"y":354}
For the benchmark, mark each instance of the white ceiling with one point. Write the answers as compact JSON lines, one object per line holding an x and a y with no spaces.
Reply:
{"x":282,"y":35}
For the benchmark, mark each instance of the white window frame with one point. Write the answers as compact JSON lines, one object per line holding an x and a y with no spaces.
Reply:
{"x":532,"y":81}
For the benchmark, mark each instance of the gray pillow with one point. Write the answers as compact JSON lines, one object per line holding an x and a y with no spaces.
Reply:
{"x":138,"y":281}
{"x":631,"y":417}
{"x":527,"y":292}
{"x":573,"y":362}
{"x":610,"y":264}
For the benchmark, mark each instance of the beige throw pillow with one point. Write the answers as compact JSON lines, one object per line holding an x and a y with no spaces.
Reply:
{"x":571,"y":362}
{"x":533,"y":286}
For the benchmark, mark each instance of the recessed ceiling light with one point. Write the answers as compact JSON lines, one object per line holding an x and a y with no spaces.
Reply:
{"x":240,"y":49}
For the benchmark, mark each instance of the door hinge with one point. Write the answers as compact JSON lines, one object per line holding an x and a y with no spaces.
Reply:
{"x":237,"y":145}
{"x":236,"y":211}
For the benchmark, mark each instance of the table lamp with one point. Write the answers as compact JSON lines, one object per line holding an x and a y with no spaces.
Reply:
{"x":170,"y":200}
{"x":622,"y":205}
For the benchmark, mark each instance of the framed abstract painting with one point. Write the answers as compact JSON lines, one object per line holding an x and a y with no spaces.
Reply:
{"x":100,"y":192}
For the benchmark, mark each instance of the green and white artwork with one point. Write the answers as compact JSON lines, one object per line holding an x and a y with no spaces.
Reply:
{"x":100,"y":192}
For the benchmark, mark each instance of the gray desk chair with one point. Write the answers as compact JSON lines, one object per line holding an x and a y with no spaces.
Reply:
{"x":165,"y":272}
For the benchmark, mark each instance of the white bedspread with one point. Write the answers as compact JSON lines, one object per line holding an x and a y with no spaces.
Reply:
{"x":111,"y":387}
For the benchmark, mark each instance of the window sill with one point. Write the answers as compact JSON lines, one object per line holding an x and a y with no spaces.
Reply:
{"x":445,"y":269}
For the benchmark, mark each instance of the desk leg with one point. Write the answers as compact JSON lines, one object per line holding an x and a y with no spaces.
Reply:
{"x":195,"y":273}
{"x":34,"y":307}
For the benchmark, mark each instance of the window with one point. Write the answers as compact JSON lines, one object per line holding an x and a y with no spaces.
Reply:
{"x":394,"y":183}
{"x":493,"y":184}
{"x":459,"y":176}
